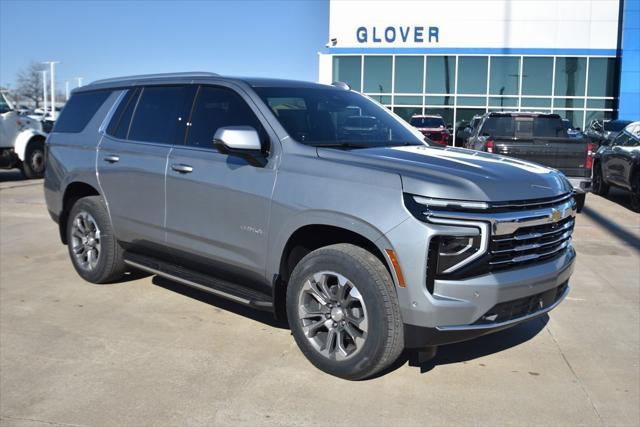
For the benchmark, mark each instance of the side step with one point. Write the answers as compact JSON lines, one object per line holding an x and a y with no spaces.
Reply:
{"x":203,"y":282}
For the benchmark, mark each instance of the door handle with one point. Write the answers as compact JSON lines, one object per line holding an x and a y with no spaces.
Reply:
{"x":111,"y":159}
{"x":181,"y":168}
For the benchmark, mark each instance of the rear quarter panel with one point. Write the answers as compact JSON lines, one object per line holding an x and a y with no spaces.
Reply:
{"x":71,"y":157}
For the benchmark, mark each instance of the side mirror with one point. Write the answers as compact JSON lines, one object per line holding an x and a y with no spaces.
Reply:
{"x":239,"y":139}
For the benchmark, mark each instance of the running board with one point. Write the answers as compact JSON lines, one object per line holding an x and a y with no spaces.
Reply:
{"x":203,"y":282}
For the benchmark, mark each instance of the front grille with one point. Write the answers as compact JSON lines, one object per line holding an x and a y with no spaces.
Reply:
{"x":511,"y":310}
{"x":436,"y":136}
{"x":530,"y":244}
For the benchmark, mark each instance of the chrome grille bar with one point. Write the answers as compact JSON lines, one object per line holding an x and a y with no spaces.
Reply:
{"x":530,"y":257}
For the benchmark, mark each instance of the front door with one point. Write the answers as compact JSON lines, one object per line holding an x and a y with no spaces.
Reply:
{"x":218,"y":204}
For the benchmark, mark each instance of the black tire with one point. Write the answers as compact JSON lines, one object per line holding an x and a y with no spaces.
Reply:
{"x":110,"y":265}
{"x":33,"y":164}
{"x":634,"y":195}
{"x":580,"y":201}
{"x":599,"y":186}
{"x":384,"y":339}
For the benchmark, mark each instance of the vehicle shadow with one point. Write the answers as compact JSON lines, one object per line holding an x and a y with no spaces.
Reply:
{"x":265,"y":317}
{"x":618,"y":196}
{"x":473,"y":349}
{"x":618,"y":231}
{"x":453,"y":353}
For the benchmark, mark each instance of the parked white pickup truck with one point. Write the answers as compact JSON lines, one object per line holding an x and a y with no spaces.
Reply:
{"x":21,"y":141}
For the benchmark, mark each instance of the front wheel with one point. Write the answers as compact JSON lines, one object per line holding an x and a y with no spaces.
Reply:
{"x":343,"y":312}
{"x":33,"y":164}
{"x":600,"y":187}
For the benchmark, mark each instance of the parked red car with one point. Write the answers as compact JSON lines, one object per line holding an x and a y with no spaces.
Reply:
{"x":433,"y":127}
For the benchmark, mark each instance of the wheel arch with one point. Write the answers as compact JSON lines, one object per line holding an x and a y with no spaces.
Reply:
{"x":73,"y":192}
{"x":311,"y":236}
{"x":24,"y":139}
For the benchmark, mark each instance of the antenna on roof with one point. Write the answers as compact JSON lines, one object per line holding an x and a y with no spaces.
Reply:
{"x":341,"y":85}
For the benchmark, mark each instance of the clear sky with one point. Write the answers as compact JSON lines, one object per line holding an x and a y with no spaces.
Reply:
{"x":98,"y":39}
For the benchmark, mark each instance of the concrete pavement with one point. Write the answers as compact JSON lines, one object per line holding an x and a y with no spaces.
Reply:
{"x":151,"y":352}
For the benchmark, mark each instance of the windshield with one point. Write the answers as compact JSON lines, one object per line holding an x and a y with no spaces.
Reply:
{"x":322,"y":117}
{"x":615,"y":125}
{"x":524,"y":127}
{"x":427,"y":122}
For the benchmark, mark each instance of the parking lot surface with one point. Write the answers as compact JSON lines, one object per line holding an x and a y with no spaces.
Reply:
{"x":151,"y":352}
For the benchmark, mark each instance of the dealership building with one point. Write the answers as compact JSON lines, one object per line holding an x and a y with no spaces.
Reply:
{"x":460,"y":58}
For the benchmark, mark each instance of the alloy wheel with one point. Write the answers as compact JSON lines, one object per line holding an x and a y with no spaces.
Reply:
{"x":333,"y":315}
{"x":85,"y":241}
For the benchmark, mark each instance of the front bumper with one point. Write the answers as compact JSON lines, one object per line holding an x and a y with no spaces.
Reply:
{"x":458,"y":308}
{"x":420,"y":337}
{"x":580,"y":185}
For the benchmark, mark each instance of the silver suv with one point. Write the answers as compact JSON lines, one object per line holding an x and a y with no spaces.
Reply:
{"x":366,"y":238}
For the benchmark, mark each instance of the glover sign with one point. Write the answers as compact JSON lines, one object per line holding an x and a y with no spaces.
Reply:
{"x":398,"y":34}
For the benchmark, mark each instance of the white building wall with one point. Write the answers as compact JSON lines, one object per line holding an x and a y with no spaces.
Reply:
{"x":498,"y":24}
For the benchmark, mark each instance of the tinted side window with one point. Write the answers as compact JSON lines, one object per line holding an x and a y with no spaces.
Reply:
{"x":216,"y":107}
{"x":119,"y":125}
{"x":79,"y":110}
{"x":160,"y":115}
{"x":547,"y":127}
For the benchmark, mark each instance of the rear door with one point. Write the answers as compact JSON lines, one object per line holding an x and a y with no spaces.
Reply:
{"x":218,"y":204}
{"x":132,"y":160}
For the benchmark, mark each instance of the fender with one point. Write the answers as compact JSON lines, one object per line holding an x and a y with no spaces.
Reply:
{"x":23,"y":139}
{"x":323,"y":217}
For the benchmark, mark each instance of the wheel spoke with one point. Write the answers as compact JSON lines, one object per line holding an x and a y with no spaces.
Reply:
{"x":353,"y":332}
{"x":304,"y":313}
{"x":321,"y":284}
{"x":331,"y":341}
{"x":340,"y":344}
{"x":80,"y":225}
{"x":311,"y":330}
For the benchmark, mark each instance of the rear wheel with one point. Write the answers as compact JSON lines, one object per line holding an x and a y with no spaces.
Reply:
{"x":33,"y":164}
{"x":94,"y":251}
{"x":600,"y":187}
{"x":343,"y":312}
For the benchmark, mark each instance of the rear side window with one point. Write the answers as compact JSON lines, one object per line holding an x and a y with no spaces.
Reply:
{"x":79,"y":110}
{"x":499,"y":126}
{"x":216,"y":107}
{"x":119,"y":125}
{"x":160,"y":114}
{"x":548,"y":127}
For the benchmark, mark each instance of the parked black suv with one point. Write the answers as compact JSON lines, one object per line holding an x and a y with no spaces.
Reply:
{"x":618,"y":164}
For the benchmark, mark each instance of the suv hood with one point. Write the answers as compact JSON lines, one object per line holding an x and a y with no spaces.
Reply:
{"x":456,"y":173}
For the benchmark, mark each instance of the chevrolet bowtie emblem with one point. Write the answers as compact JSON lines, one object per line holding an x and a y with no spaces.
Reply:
{"x":555,"y":215}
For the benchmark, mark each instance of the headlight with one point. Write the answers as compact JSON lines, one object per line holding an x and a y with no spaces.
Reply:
{"x":450,"y":204}
{"x":453,"y":251}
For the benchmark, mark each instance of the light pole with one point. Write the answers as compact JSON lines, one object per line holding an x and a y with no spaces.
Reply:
{"x":66,"y":90}
{"x":52,"y":64}
{"x":79,"y":81}
{"x":44,"y":92}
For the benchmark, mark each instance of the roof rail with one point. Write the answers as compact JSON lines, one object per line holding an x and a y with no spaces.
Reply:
{"x":155,"y":76}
